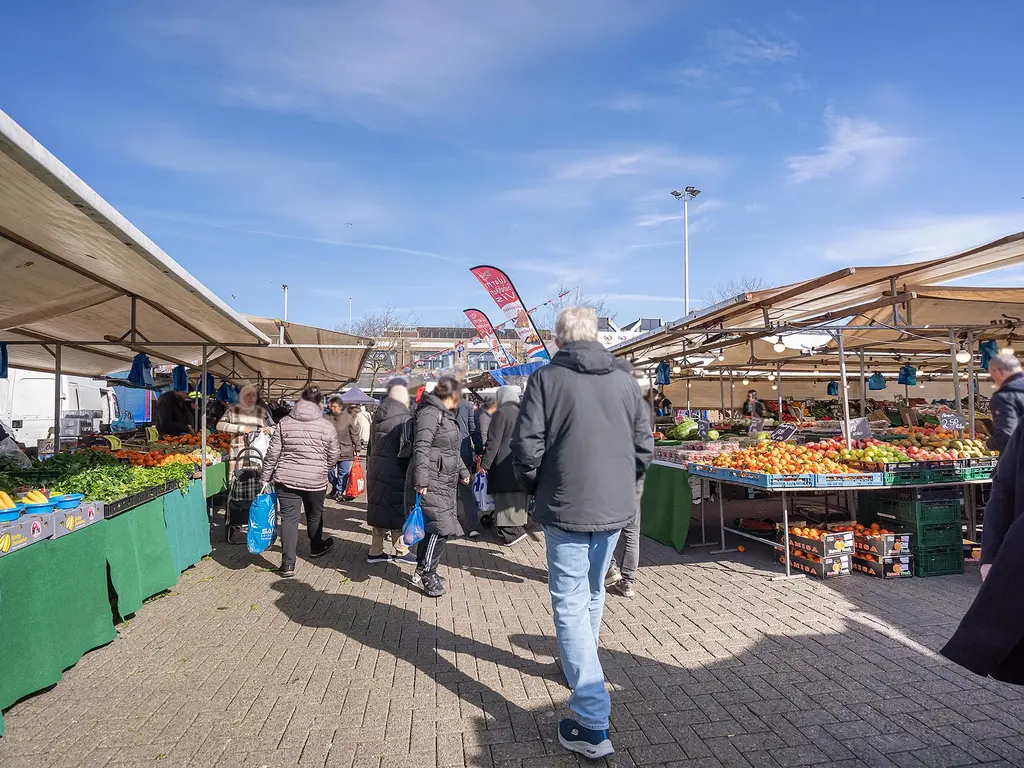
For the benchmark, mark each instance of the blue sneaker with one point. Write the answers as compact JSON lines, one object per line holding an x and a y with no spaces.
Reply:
{"x":589,"y":743}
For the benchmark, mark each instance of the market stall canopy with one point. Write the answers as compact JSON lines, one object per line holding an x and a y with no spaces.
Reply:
{"x":75,"y":270}
{"x":322,"y":358}
{"x":356,"y":396}
{"x":831,"y":298}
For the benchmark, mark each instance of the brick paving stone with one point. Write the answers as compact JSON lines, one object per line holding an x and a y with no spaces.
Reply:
{"x":346,"y":665}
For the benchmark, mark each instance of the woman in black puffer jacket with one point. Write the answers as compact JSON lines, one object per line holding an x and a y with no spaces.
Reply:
{"x":386,"y":507}
{"x":434,"y":473}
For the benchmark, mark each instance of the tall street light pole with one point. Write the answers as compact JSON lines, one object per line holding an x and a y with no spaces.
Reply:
{"x":686,"y":196}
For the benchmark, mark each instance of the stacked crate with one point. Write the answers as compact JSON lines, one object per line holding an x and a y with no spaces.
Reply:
{"x":932,"y":515}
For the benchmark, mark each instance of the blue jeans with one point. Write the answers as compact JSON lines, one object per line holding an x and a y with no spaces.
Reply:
{"x":339,"y":476}
{"x":577,"y":563}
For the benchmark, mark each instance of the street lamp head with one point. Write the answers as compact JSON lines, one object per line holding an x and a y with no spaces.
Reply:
{"x":676,"y":194}
{"x":692,"y":191}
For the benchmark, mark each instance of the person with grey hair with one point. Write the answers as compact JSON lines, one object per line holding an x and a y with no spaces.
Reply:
{"x":510,"y":501}
{"x":581,"y":445}
{"x":1008,"y":402}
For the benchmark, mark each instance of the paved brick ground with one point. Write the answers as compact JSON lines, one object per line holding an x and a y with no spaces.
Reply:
{"x":345,"y":665}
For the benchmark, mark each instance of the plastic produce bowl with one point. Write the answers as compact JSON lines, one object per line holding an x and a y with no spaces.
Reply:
{"x":68,"y":501}
{"x":39,"y":509}
{"x":10,"y":515}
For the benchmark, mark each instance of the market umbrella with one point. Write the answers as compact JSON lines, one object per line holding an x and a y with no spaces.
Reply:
{"x":356,"y":396}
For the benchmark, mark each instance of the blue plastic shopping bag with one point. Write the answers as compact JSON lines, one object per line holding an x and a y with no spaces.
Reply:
{"x":413,"y":531}
{"x":262,"y":521}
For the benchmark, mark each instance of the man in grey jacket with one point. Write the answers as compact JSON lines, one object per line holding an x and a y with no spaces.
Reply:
{"x":582,"y":443}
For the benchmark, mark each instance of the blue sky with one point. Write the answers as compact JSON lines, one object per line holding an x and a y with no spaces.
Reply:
{"x":377,"y":150}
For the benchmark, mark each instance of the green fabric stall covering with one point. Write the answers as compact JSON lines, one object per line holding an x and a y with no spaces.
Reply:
{"x":54,"y":608}
{"x":665,"y":506}
{"x":216,"y":479}
{"x":188,"y":527}
{"x":139,"y":555}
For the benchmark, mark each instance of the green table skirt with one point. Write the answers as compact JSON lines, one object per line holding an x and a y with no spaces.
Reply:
{"x":188,"y":526}
{"x":665,"y":506}
{"x":54,"y":601}
{"x":216,"y":478}
{"x":54,"y":608}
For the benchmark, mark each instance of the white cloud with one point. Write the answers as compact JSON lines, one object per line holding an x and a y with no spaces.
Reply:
{"x":732,"y":47}
{"x":399,"y":56}
{"x":853,"y":143}
{"x":920,"y":238}
{"x":697,"y":210}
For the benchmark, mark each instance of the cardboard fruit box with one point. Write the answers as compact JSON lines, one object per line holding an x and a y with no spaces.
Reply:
{"x":884,"y":544}
{"x":69,"y":520}
{"x":26,"y":530}
{"x":898,"y":567}
{"x":829,"y":544}
{"x":823,"y":568}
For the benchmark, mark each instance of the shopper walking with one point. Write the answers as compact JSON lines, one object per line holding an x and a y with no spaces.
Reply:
{"x":434,"y":473}
{"x":468,"y":511}
{"x":627,"y":552}
{"x":303,"y":449}
{"x":363,"y":422}
{"x":242,"y":420}
{"x":1008,"y":401}
{"x":990,"y":638}
{"x":387,"y":465}
{"x":484,"y":414}
{"x":349,"y":442}
{"x":510,"y":500}
{"x":582,"y":442}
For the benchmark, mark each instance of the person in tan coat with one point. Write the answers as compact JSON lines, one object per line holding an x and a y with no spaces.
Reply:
{"x":302,"y":451}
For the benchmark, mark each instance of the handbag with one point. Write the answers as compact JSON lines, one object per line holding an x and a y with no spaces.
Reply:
{"x":412,"y":531}
{"x":262,"y":521}
{"x":356,"y":480}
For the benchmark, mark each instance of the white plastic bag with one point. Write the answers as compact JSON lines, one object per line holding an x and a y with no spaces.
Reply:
{"x":484,"y":500}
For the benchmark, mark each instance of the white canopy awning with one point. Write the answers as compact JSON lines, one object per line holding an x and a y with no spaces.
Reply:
{"x":74,"y":271}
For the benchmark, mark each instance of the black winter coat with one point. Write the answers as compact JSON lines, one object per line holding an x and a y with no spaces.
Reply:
{"x":386,"y":505}
{"x":501,"y":475}
{"x":990,"y":638}
{"x":583,"y":440}
{"x":437,"y":466}
{"x":465,"y":415}
{"x":1007,"y":412}
{"x":483,"y":423}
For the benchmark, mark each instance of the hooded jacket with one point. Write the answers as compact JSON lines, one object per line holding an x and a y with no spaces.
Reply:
{"x":990,"y":638}
{"x":1007,"y":411}
{"x":437,"y":465}
{"x":583,"y":440}
{"x":385,"y":476}
{"x":303,"y":448}
{"x":497,"y":460}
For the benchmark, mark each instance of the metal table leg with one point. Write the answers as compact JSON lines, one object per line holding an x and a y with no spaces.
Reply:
{"x":721,"y":524}
{"x":785,"y":542}
{"x":703,"y":505}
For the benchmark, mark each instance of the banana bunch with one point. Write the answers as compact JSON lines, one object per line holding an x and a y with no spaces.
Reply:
{"x":6,"y":502}
{"x":34,"y":497}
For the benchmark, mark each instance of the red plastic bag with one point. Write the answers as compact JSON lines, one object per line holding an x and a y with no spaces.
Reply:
{"x":356,"y":480}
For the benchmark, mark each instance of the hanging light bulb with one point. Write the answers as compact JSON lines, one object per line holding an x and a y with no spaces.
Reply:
{"x":676,"y":369}
{"x":771,"y":377}
{"x":745,"y":382}
{"x":721,"y":355}
{"x":775,"y":386}
{"x":963,"y":355}
{"x":779,"y":346}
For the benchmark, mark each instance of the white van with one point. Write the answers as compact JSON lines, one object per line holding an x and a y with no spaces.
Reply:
{"x":26,"y":403}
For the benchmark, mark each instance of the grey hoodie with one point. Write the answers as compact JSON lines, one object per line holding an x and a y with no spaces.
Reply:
{"x":303,"y":448}
{"x":583,"y":440}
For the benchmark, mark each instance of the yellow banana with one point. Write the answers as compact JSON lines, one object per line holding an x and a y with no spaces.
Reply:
{"x":5,"y":501}
{"x":37,"y":497}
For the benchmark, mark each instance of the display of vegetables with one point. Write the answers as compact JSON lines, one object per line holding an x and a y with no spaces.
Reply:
{"x":116,"y":480}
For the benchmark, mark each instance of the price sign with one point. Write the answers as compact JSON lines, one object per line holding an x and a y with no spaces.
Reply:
{"x":756,"y":425}
{"x":783,"y":432}
{"x":952,"y":421}
{"x":703,"y":425}
{"x":860,"y":429}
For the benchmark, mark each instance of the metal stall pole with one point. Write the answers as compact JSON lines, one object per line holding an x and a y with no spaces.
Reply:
{"x":721,"y":392}
{"x":203,"y":439}
{"x":956,"y":369}
{"x":863,"y":386}
{"x":778,"y":383}
{"x":732,"y":395}
{"x":57,"y":397}
{"x":845,"y":388}
{"x":970,"y":384}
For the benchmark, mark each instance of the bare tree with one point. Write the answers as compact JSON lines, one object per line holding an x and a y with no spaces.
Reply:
{"x":388,"y":327}
{"x":730,"y":289}
{"x":547,"y":316}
